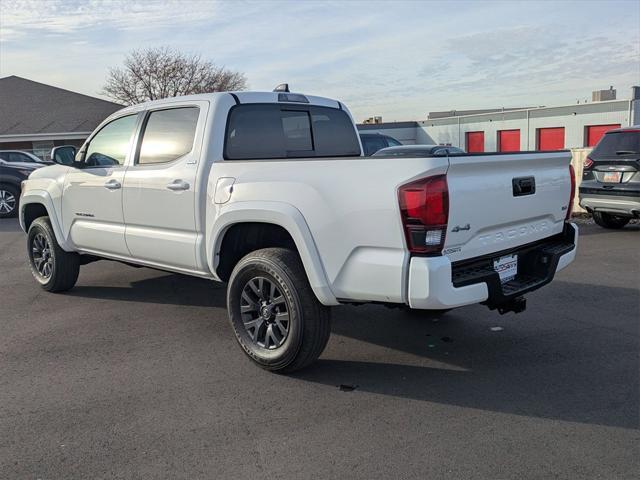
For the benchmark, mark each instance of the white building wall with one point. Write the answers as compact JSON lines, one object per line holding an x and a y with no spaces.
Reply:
{"x":574,"y":119}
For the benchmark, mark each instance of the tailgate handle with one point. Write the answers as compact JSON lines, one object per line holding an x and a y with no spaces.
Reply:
{"x":523,"y":186}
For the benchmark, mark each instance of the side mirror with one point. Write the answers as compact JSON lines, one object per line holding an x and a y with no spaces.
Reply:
{"x":64,"y":155}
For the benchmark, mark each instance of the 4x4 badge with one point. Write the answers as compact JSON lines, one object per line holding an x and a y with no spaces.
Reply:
{"x":458,"y":228}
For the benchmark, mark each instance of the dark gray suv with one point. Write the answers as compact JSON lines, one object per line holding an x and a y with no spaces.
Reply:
{"x":610,"y":188}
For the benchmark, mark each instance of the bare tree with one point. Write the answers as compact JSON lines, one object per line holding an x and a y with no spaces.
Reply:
{"x":153,"y":73}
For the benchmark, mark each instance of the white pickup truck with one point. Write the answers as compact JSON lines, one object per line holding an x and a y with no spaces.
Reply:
{"x":270,"y":192}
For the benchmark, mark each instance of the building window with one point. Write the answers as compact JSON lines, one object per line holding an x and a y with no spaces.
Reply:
{"x":508,"y":140}
{"x":43,"y":149}
{"x":593,"y":133}
{"x":475,"y":142}
{"x":550,"y":138}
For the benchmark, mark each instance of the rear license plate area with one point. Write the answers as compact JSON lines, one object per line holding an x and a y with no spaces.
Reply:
{"x":612,"y":177}
{"x":506,"y":267}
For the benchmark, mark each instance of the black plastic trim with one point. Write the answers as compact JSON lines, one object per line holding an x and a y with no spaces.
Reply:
{"x":537,"y":264}
{"x":235,"y":98}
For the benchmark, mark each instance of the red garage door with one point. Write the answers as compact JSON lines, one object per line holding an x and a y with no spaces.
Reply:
{"x":595,"y":132}
{"x":551,"y":138}
{"x":508,"y":140}
{"x":475,"y":142}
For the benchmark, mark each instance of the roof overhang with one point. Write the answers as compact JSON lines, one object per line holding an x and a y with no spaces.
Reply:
{"x":37,"y":137}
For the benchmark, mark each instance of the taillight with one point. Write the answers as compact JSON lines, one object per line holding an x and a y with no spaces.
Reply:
{"x":572,"y":174}
{"x":424,"y":207}
{"x":587,"y":164}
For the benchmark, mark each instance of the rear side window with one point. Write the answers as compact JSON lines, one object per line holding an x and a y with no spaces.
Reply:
{"x":263,"y":131}
{"x":168,"y":135}
{"x":393,"y":142}
{"x":619,"y":144}
{"x":372,"y":143}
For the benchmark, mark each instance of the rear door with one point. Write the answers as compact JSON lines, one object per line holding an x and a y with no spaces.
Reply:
{"x":159,"y":192}
{"x":498,"y":202}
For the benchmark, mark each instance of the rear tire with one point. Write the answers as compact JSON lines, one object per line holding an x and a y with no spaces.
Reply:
{"x":277,"y":319}
{"x":9,"y":199}
{"x":607,"y":220}
{"x":53,"y":268}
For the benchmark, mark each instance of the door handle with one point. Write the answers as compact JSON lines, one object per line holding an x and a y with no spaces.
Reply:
{"x":178,"y":185}
{"x":113,"y":184}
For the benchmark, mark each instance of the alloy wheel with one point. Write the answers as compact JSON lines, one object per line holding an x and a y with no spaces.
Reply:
{"x":265,"y":313}
{"x":7,"y":201}
{"x":42,"y":256}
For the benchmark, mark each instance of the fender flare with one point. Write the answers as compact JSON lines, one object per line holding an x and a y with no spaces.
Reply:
{"x":285,"y":216}
{"x":42,"y":197}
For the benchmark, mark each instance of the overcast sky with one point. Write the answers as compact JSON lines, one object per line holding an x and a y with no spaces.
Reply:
{"x":395,"y":59}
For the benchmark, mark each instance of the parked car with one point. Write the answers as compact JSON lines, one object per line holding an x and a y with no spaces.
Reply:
{"x":18,"y":156}
{"x":610,"y":188}
{"x":418,"y":151}
{"x":11,"y":177}
{"x":269,"y":192}
{"x":372,"y":142}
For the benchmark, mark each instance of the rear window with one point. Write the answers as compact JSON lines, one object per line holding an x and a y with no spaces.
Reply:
{"x":617,"y":144}
{"x":263,"y":131}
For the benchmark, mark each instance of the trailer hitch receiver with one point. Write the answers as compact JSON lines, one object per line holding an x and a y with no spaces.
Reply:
{"x":516,"y":305}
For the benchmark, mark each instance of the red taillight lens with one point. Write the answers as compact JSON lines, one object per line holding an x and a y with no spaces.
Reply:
{"x":587,"y":164}
{"x":572,"y":174}
{"x":424,"y":206}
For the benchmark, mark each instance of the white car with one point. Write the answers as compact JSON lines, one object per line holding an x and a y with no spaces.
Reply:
{"x":270,"y":192}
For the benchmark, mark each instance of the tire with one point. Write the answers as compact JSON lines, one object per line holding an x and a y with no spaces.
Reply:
{"x":53,"y":268}
{"x":9,"y":200}
{"x":269,"y":291}
{"x":607,"y":220}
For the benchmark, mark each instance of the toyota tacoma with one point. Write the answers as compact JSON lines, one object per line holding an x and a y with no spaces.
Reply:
{"x":270,"y":192}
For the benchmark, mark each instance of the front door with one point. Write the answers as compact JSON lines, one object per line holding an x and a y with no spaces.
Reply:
{"x":159,"y":195}
{"x":92,"y":197}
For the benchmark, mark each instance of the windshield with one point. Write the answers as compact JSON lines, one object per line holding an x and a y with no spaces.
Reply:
{"x":617,"y":144}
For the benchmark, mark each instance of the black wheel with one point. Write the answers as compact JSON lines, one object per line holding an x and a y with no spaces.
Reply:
{"x":53,"y":268}
{"x":277,"y":319}
{"x":9,"y":198}
{"x":607,"y":220}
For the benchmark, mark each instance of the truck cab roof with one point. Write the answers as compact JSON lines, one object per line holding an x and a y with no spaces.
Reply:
{"x":240,"y":98}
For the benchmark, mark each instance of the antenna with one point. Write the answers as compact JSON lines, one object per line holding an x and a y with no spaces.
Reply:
{"x":283,"y":87}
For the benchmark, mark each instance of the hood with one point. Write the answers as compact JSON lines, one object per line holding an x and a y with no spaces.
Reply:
{"x":24,"y":165}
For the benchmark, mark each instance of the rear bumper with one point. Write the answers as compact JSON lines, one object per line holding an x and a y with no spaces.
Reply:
{"x":436,"y":283}
{"x":620,"y":203}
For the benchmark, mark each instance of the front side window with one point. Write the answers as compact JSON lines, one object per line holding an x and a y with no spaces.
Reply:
{"x":168,"y":135}
{"x":111,"y":144}
{"x":263,"y":131}
{"x":16,"y":157}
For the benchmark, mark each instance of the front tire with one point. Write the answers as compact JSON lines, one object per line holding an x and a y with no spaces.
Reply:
{"x":53,"y":268}
{"x":607,"y":220}
{"x":278,"y":321}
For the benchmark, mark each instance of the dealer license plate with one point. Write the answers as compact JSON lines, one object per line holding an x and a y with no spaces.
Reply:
{"x":507,"y":267}
{"x":612,"y":177}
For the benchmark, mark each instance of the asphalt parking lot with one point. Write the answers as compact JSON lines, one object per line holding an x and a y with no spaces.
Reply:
{"x":135,"y":374}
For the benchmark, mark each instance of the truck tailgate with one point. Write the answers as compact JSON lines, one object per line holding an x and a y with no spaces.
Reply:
{"x":501,"y":201}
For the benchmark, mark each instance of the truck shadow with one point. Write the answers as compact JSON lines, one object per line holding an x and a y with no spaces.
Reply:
{"x":167,"y":289}
{"x":573,"y":363}
{"x":567,"y":358}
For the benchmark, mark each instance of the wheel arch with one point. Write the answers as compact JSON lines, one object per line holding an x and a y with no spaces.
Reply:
{"x":273,"y":217}
{"x":37,"y":203}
